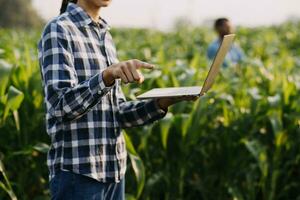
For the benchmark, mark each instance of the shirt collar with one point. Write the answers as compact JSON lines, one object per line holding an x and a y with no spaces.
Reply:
{"x":82,"y":19}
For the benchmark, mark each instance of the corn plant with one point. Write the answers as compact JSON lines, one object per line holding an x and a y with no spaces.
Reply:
{"x":239,"y":141}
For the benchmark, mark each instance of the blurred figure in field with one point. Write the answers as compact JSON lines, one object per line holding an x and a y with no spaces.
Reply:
{"x":235,"y":55}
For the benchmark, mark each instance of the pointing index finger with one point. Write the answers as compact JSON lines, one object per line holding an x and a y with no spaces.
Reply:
{"x":145,"y":65}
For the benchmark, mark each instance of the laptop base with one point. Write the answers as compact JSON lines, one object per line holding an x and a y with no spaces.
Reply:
{"x":171,"y":92}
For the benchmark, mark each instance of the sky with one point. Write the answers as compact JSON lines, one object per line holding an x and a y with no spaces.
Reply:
{"x":161,"y":14}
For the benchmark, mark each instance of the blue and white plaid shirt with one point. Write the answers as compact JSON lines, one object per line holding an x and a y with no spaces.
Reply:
{"x":84,"y":117}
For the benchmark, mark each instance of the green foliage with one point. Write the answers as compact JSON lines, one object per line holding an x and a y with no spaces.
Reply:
{"x":240,"y":141}
{"x":22,"y":131}
{"x":137,"y":166}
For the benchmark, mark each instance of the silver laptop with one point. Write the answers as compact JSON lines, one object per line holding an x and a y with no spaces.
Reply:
{"x":195,"y":90}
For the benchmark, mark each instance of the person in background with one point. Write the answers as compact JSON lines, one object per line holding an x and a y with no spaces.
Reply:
{"x":85,"y":106}
{"x":235,"y":55}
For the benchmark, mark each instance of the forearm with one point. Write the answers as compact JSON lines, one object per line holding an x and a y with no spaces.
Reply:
{"x":138,"y":113}
{"x":73,"y":102}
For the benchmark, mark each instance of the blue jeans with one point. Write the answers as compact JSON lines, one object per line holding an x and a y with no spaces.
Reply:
{"x":70,"y":186}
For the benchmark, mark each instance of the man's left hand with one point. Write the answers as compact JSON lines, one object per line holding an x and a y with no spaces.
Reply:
{"x":164,"y":103}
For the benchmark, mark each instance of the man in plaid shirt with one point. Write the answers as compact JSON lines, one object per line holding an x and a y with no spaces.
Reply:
{"x":86,"y":108}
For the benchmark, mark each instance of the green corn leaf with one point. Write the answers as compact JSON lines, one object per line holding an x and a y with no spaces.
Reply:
{"x":41,"y":147}
{"x":6,"y":186}
{"x":175,"y":82}
{"x":137,"y":165}
{"x":280,"y":139}
{"x":17,"y":119}
{"x":8,"y":191}
{"x":259,"y":153}
{"x":5,"y":70}
{"x":182,"y":122}
{"x":1,"y":166}
{"x":129,"y":146}
{"x":276,"y":122}
{"x":139,"y":170}
{"x":14,"y":98}
{"x":130,"y":197}
{"x":165,"y":125}
{"x":5,"y":114}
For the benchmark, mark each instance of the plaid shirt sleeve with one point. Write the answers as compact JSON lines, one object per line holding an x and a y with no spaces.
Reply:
{"x":137,"y":113}
{"x":66,"y":99}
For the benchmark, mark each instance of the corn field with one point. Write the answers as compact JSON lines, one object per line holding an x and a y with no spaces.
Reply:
{"x":240,"y":141}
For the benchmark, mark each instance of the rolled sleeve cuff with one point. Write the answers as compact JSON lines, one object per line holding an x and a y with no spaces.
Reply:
{"x":97,"y":86}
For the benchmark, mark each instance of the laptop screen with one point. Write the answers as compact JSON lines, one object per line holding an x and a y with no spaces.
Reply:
{"x":217,"y":62}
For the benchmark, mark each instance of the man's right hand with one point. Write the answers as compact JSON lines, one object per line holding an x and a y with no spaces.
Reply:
{"x":127,"y":71}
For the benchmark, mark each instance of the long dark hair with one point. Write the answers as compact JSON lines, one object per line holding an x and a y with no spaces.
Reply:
{"x":64,"y":5}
